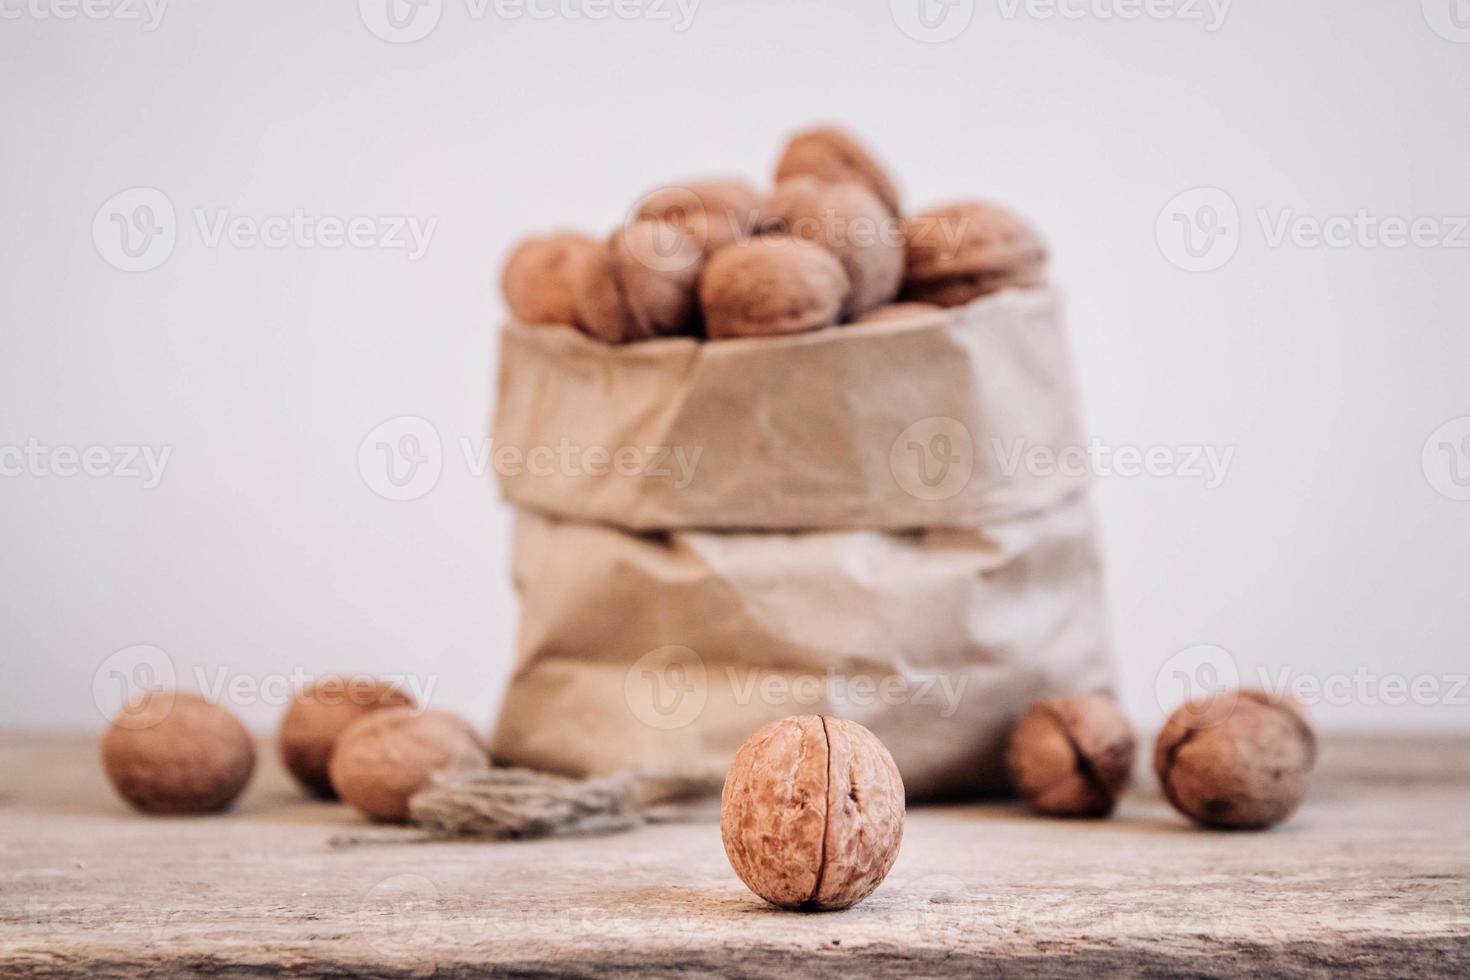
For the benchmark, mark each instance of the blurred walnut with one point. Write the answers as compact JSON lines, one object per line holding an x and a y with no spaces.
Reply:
{"x":641,"y":284}
{"x":172,"y":752}
{"x":851,"y":222}
{"x":386,"y":756}
{"x":318,"y":714}
{"x":769,"y":286}
{"x":833,"y":155}
{"x":713,"y":213}
{"x":540,"y":276}
{"x":812,"y":813}
{"x":1238,"y":759}
{"x":962,"y":251}
{"x":1072,"y":756}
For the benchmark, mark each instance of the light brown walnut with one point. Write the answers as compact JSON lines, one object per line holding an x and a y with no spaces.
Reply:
{"x":834,"y":155}
{"x":318,"y":715}
{"x":851,"y":222}
{"x":386,"y":756}
{"x":770,"y":286}
{"x":963,"y":251}
{"x":714,"y":213}
{"x":174,"y":752}
{"x":1239,"y":759}
{"x":540,"y":277}
{"x":812,"y":813}
{"x":640,"y":285}
{"x":1072,"y":756}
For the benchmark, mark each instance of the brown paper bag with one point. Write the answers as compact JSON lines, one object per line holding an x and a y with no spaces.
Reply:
{"x":850,"y":427}
{"x":859,"y":522}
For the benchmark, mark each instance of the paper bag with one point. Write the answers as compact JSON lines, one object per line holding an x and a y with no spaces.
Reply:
{"x":869,"y":521}
{"x":952,"y":419}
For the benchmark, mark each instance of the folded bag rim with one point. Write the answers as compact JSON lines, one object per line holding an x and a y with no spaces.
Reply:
{"x":658,"y":347}
{"x":796,"y":432}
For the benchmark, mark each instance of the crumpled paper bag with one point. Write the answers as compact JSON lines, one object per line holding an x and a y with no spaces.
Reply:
{"x":849,"y":539}
{"x":927,"y":421}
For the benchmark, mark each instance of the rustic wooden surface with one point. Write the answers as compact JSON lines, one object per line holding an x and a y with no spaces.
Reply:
{"x":1373,"y":877}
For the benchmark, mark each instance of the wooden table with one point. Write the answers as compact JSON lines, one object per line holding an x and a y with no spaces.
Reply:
{"x":1373,"y":876}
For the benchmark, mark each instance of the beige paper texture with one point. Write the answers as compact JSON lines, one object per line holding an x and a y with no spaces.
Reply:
{"x":848,"y":542}
{"x":663,"y":653}
{"x":842,"y":428}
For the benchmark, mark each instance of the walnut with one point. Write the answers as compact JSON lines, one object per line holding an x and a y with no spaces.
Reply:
{"x":714,"y":213}
{"x":1238,"y":759}
{"x":851,"y":222}
{"x":640,"y":285}
{"x":966,"y":250}
{"x":770,"y":286}
{"x":812,"y":813}
{"x":318,"y":714}
{"x":540,"y":276}
{"x":386,"y":756}
{"x":833,"y":155}
{"x":1071,"y":756}
{"x":174,"y":752}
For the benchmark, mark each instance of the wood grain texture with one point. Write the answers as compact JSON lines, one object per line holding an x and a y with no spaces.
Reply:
{"x":1372,"y":876}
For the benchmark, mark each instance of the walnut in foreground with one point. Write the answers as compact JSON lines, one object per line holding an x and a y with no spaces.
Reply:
{"x":812,"y":813}
{"x":1238,"y":760}
{"x":386,"y":756}
{"x":1072,"y":756}
{"x":174,"y":752}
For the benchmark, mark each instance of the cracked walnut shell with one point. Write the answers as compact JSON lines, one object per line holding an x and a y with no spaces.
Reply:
{"x":1072,"y":756}
{"x":1239,"y":759}
{"x":812,"y":813}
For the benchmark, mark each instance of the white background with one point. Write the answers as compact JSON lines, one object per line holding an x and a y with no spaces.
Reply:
{"x":1330,"y":548}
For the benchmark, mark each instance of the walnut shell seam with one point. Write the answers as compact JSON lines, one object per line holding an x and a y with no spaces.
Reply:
{"x":1081,"y":761}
